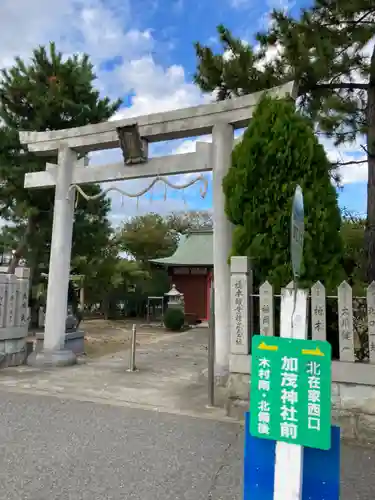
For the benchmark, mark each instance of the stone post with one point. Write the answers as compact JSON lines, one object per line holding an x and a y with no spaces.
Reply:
{"x":222,"y":143}
{"x":59,"y":267}
{"x":14,"y":297}
{"x":23,"y":277}
{"x":240,"y":285}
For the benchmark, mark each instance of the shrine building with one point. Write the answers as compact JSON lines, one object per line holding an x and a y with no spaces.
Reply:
{"x":191,"y":270}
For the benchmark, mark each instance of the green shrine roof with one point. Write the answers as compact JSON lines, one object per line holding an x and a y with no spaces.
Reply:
{"x":194,"y":249}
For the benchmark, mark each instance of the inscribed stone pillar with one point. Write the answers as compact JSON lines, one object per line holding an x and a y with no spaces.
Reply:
{"x":11,"y":300}
{"x":23,"y":277}
{"x":240,"y":305}
{"x":222,"y":143}
{"x":3,"y":295}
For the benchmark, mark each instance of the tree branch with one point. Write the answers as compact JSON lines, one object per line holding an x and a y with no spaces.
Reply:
{"x":360,"y":20}
{"x":352,"y":162}
{"x":307,"y":88}
{"x":343,"y":86}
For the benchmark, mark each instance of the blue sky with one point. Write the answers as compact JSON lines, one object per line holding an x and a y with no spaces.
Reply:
{"x":143,"y":52}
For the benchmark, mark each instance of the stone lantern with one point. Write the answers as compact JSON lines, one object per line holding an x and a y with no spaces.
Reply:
{"x":175,"y":298}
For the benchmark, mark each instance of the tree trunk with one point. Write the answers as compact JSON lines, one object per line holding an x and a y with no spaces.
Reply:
{"x":105,"y":304}
{"x":33,"y":264}
{"x":370,"y":227}
{"x":82,"y":297}
{"x":22,"y":246}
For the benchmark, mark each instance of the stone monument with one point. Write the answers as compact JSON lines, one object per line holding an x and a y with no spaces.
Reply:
{"x":14,"y":317}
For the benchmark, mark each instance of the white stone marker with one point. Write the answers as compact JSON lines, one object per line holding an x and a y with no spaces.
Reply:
{"x":22,"y":309}
{"x":371,"y":321}
{"x":3,"y":289}
{"x":266,"y":309}
{"x":346,"y":330}
{"x":318,"y":312}
{"x":11,"y":301}
{"x":239,"y":284}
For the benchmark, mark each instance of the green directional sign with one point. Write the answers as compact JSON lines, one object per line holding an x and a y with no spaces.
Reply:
{"x":290,"y":396}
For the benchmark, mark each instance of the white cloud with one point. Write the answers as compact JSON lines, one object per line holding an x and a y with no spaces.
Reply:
{"x":257,"y":9}
{"x":284,"y":5}
{"x":240,"y":4}
{"x":189,"y":146}
{"x":156,"y":89}
{"x":354,"y":172}
{"x":106,"y":30}
{"x":156,"y":201}
{"x":350,"y":174}
{"x":77,"y":25}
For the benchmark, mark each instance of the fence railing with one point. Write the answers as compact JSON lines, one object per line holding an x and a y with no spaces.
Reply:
{"x":347,"y":322}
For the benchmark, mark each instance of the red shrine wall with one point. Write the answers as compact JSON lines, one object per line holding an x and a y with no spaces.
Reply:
{"x":195,"y":284}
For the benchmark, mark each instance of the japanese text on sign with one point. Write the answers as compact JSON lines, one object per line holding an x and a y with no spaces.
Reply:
{"x":291,"y":391}
{"x":239,"y":307}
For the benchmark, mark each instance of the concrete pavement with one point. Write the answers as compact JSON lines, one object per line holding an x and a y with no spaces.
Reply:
{"x":95,"y":431}
{"x":56,"y":449}
{"x":169,"y":377}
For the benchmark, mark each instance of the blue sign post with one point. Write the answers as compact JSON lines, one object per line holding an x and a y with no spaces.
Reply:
{"x":321,"y":469}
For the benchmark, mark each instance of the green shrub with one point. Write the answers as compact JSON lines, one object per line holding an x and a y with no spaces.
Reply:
{"x":174,"y":319}
{"x":279,"y":150}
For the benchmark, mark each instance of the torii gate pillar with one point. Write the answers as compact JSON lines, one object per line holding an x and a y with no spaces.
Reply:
{"x":53,"y":352}
{"x":222,"y":144}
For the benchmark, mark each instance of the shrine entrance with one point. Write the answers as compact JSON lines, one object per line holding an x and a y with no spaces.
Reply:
{"x":69,"y":176}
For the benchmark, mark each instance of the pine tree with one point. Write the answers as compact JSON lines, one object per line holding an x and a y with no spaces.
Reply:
{"x":48,"y":93}
{"x":278,"y":151}
{"x":324,"y":51}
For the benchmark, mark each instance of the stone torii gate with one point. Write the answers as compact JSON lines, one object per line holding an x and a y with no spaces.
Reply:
{"x":219,"y":118}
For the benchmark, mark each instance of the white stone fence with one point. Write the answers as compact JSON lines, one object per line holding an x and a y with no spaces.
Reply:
{"x":351,"y":322}
{"x":356,"y":325}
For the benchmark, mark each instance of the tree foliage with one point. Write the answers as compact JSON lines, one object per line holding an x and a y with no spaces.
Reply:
{"x":106,"y":272}
{"x":147,"y":237}
{"x":191,"y":220}
{"x":47,"y":93}
{"x":278,"y":151}
{"x":353,"y":237}
{"x":152,"y":236}
{"x":327,"y":51}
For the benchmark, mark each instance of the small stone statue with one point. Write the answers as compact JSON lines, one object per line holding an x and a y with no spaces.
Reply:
{"x":71,"y":322}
